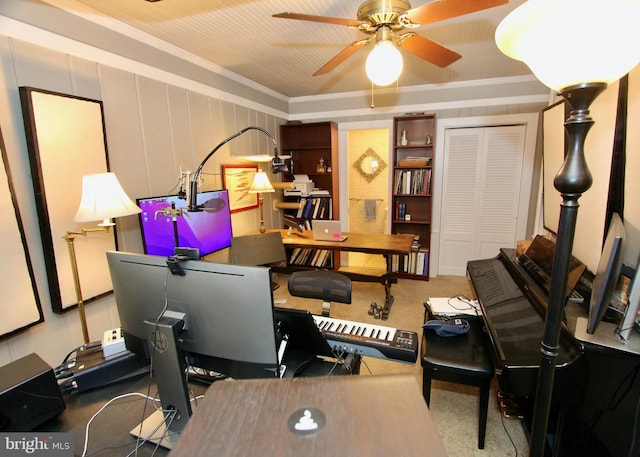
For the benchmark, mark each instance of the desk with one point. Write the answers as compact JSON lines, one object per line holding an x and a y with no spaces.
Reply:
{"x":372,"y":416}
{"x":109,"y":433}
{"x":368,"y":243}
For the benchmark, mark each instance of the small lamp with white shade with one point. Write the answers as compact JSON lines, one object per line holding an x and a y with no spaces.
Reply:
{"x":260,"y":185}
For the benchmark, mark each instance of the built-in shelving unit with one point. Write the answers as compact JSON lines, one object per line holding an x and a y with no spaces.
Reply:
{"x":414,"y":139}
{"x":313,"y":148}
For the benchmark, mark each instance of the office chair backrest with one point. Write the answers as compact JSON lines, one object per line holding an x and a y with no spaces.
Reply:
{"x":261,"y":249}
{"x":328,"y":286}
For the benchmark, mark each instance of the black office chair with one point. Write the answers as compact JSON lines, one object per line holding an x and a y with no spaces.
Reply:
{"x":327,"y":286}
{"x":261,"y":249}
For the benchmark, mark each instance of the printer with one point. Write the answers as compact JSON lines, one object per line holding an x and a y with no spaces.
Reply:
{"x":303,"y":186}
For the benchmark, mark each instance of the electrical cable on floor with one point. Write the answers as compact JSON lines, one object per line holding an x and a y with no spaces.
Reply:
{"x":504,"y":426}
{"x":107,"y":404}
{"x":362,"y":361}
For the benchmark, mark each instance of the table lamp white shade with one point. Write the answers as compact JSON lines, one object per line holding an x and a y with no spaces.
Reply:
{"x":261,"y":183}
{"x":571,"y":42}
{"x":103,"y":198}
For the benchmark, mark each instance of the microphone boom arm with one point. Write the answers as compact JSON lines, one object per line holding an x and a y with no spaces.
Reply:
{"x":276,"y":164}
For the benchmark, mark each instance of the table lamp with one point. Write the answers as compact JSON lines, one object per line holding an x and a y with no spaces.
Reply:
{"x":259,"y":186}
{"x":102,"y":199}
{"x":577,"y":48}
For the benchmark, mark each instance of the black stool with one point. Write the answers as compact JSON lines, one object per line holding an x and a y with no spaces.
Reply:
{"x":461,"y":359}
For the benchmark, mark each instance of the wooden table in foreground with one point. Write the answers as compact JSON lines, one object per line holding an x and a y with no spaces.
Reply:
{"x":368,"y":243}
{"x":331,"y":416}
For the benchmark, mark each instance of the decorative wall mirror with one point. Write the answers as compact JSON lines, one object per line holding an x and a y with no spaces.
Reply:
{"x":369,"y":164}
{"x":66,"y":140}
{"x":22,"y":307}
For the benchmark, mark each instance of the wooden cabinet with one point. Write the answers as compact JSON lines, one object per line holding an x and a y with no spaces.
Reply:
{"x":413,"y":139}
{"x":313,"y":148}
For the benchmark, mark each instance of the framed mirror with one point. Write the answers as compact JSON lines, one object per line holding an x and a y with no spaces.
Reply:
{"x":22,"y":308}
{"x":66,"y":140}
{"x":369,"y":164}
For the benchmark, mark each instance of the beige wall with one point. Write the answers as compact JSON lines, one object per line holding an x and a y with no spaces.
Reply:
{"x":163,"y":115}
{"x":154,"y":129}
{"x":359,"y":142}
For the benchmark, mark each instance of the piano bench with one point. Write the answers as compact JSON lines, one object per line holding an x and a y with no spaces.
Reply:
{"x":462,"y":359}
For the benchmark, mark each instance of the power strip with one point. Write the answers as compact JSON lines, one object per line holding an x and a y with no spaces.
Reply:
{"x":113,"y":342}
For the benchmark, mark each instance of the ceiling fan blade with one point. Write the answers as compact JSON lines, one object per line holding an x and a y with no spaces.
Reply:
{"x":323,"y":19}
{"x":439,"y":10}
{"x":427,"y":49}
{"x":341,"y":57}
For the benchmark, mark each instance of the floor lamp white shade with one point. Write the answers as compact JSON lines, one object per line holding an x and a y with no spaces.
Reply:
{"x":103,"y":198}
{"x":571,"y":42}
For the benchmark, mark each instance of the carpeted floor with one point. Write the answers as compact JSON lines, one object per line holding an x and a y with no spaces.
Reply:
{"x":454,"y":407}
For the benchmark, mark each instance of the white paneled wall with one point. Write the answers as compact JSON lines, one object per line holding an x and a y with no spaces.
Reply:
{"x":153,"y":130}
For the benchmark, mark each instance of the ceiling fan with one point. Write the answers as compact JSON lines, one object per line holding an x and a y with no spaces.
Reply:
{"x":382,"y":20}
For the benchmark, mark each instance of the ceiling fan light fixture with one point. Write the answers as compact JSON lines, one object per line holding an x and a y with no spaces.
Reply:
{"x":545,"y":35}
{"x":384,"y":63}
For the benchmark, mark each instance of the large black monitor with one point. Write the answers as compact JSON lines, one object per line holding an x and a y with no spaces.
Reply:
{"x":208,"y":230}
{"x":607,"y":274}
{"x":215,"y":316}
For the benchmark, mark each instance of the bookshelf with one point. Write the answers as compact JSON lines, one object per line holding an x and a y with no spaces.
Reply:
{"x":313,"y":148}
{"x":414,"y":139}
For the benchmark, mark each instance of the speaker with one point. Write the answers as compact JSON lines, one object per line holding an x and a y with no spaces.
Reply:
{"x":29,"y":394}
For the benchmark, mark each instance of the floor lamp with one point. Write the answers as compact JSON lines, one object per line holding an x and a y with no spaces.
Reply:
{"x":260,"y":185}
{"x":577,"y":48}
{"x":102,"y":199}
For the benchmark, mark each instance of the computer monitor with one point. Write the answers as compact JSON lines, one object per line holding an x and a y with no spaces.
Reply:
{"x":208,"y":230}
{"x":607,"y":274}
{"x":216,"y":316}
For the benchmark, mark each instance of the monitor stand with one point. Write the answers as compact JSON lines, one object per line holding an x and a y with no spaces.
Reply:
{"x":605,"y":335}
{"x":154,"y":430}
{"x":168,"y":372}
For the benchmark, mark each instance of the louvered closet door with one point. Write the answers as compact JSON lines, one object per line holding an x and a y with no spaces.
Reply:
{"x":481,"y":190}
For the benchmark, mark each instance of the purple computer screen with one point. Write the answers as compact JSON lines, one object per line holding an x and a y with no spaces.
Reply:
{"x":208,"y":230}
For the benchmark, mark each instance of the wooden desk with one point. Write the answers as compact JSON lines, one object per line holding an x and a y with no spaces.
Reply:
{"x":110,"y":430}
{"x":368,"y":243}
{"x":358,"y":415}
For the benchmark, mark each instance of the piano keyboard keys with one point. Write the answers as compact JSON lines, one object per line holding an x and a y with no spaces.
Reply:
{"x":345,"y":327}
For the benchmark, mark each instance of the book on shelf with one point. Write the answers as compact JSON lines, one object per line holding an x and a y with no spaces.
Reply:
{"x":294,"y":254}
{"x":310,"y":257}
{"x":316,"y":208}
{"x":303,"y":203}
{"x":412,"y":182}
{"x":422,"y":267}
{"x":414,"y":161}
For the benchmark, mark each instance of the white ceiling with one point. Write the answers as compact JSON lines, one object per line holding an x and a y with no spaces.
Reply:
{"x":282,"y":54}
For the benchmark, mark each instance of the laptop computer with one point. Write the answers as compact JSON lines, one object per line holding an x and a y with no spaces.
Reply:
{"x":327,"y":231}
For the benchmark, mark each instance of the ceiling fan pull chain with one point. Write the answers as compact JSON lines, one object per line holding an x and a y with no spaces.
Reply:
{"x":373,"y":105}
